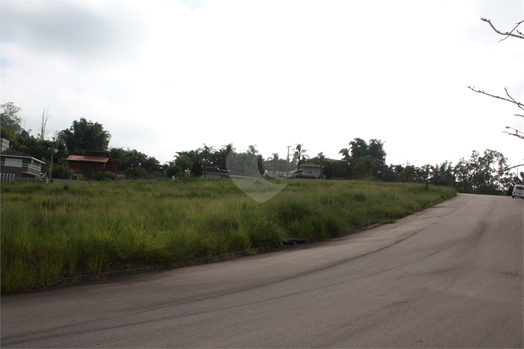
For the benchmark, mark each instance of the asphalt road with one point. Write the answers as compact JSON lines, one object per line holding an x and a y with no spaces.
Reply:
{"x":450,"y":276}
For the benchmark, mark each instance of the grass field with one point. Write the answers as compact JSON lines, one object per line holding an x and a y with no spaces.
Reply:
{"x":54,"y":231}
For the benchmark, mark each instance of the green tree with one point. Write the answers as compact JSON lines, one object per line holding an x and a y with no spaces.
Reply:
{"x":365,"y":160}
{"x":359,"y":148}
{"x":443,"y":175}
{"x":376,"y":150}
{"x":219,"y":158}
{"x":254,"y":161}
{"x":85,"y":135}
{"x":61,"y":169}
{"x":482,"y":174}
{"x":10,"y":121}
{"x":335,"y":169}
{"x":321,"y":160}
{"x":260,"y":165}
{"x":394,"y":172}
{"x":205,"y":154}
{"x":170,"y":171}
{"x":186,"y":160}
{"x":299,"y":156}
{"x":135,"y":172}
{"x":151,"y":164}
{"x":134,"y":158}
{"x":274,"y":163}
{"x":364,"y":167}
{"x":196,"y":168}
{"x":32,"y":146}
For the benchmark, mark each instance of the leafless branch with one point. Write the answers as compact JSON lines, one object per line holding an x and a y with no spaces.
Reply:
{"x":510,"y":99}
{"x":514,"y":134}
{"x":519,"y":35}
{"x":506,"y":34}
{"x":509,"y":168}
{"x":520,"y":105}
{"x":43,"y":123}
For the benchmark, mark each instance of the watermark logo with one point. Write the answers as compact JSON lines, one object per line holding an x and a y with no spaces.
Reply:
{"x":245,"y":172}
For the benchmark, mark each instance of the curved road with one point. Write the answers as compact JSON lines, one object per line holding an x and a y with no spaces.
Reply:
{"x":450,"y":276}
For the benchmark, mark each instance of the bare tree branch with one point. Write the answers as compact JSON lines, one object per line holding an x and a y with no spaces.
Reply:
{"x":511,"y":99}
{"x":506,"y":34}
{"x":520,"y":105}
{"x":43,"y":123}
{"x":520,"y":36}
{"x":516,"y":134}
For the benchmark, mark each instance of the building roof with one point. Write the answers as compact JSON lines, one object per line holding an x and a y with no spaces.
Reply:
{"x":310,"y":165}
{"x":87,"y":158}
{"x":13,"y":153}
{"x":214,"y":170}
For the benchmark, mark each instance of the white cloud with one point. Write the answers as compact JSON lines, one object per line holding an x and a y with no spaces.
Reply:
{"x":166,"y":76}
{"x":88,"y":34}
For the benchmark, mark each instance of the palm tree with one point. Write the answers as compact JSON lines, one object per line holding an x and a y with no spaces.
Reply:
{"x":206,"y":152}
{"x":299,"y":156}
{"x":321,"y":159}
{"x":252,"y":153}
{"x":274,"y":163}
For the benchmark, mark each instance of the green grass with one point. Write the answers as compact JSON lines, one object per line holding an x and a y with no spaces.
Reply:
{"x":54,"y":231}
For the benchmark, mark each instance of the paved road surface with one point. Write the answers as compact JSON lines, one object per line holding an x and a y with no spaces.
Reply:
{"x":450,"y":276}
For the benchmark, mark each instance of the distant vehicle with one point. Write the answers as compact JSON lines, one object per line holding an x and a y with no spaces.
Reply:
{"x":518,"y":191}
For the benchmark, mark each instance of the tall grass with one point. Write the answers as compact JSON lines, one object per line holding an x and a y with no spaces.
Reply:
{"x":55,"y":231}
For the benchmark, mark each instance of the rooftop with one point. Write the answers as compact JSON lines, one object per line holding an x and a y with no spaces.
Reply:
{"x":87,"y":158}
{"x":9,"y":152}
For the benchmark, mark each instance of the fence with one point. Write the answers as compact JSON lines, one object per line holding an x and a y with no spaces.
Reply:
{"x":8,"y":177}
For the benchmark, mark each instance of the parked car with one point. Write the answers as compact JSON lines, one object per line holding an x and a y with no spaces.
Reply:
{"x":518,"y":191}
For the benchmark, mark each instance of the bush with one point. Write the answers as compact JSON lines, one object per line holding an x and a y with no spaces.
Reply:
{"x":135,"y":172}
{"x":171,"y":171}
{"x":62,"y":172}
{"x":104,"y":176}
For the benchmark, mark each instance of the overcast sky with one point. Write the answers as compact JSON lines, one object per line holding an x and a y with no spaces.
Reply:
{"x":168,"y":76}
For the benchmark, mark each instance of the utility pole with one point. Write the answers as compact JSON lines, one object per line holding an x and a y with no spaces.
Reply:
{"x":287,"y":161}
{"x":51,"y":165}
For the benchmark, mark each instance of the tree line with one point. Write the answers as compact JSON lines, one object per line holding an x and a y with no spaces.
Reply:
{"x":481,"y":173}
{"x":82,"y":135}
{"x":485,"y":173}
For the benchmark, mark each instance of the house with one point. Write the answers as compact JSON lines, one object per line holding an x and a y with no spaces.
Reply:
{"x":17,"y":165}
{"x":307,"y":171}
{"x":212,"y":172}
{"x":93,"y":161}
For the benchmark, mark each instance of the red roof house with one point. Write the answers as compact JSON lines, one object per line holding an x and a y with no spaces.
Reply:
{"x":93,"y":161}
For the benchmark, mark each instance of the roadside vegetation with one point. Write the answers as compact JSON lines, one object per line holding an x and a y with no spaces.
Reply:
{"x":487,"y":172}
{"x":54,"y":231}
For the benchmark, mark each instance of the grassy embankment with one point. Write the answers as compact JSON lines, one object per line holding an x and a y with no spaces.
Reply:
{"x":54,"y":231}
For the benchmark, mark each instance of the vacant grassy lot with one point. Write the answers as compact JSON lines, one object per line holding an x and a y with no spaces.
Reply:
{"x":54,"y":231}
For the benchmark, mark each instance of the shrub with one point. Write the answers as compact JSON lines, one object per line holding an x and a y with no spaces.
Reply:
{"x":135,"y":172}
{"x":104,"y":176}
{"x":62,"y":172}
